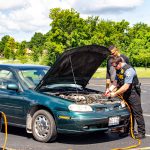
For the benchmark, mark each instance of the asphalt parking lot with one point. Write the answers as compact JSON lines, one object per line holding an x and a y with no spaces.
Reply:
{"x":19,"y":140}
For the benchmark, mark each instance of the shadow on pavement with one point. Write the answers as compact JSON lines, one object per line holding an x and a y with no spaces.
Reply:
{"x":91,"y":138}
{"x":80,"y":139}
{"x":17,"y":131}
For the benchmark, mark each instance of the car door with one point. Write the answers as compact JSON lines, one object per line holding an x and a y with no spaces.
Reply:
{"x":11,"y":102}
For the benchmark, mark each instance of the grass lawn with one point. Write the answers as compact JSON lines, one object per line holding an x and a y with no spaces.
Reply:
{"x":141,"y":72}
{"x":100,"y":73}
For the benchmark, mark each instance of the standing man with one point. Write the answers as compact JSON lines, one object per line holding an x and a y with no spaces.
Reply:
{"x":111,"y":72}
{"x":127,"y":84}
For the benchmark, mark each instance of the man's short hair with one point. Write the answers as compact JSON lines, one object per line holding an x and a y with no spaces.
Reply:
{"x":112,"y":47}
{"x":117,"y":60}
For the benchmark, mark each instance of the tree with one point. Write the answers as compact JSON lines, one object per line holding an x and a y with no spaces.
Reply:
{"x":12,"y":45}
{"x":53,"y":51}
{"x":7,"y":52}
{"x":3,"y":42}
{"x":9,"y":49}
{"x":68,"y":28}
{"x":37,"y":41}
{"x":138,"y":48}
{"x":21,"y":48}
{"x":35,"y":54}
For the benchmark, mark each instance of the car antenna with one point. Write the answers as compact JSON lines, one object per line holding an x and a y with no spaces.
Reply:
{"x":73,"y":75}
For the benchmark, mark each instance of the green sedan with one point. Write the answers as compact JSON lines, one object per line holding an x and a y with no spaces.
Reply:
{"x":51,"y":100}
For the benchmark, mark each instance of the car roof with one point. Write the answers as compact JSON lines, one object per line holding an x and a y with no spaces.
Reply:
{"x":23,"y":66}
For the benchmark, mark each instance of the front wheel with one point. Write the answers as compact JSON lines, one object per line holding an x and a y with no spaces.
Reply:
{"x":43,"y":126}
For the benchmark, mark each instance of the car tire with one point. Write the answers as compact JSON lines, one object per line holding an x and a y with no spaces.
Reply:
{"x":43,"y":126}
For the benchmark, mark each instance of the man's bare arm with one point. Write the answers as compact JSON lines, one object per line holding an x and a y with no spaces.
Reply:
{"x":123,"y":89}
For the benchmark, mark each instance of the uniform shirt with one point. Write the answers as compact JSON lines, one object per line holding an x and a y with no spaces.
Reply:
{"x":111,"y":72}
{"x":129,"y":75}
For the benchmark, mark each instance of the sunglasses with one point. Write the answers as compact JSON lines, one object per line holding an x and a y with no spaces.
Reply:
{"x":112,"y":53}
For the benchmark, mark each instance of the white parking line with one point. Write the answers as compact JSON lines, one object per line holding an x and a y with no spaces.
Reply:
{"x":146,"y":84}
{"x":147,"y":115}
{"x":147,"y":135}
{"x":144,"y":91}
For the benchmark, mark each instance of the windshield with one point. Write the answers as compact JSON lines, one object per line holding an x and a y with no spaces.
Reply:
{"x":32,"y":76}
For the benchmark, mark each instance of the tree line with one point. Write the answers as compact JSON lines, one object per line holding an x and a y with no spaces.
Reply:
{"x":68,"y":30}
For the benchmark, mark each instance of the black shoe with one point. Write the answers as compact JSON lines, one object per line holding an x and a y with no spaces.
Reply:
{"x":140,"y":136}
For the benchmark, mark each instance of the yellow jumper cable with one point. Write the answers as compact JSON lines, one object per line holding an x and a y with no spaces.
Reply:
{"x":131,"y":130}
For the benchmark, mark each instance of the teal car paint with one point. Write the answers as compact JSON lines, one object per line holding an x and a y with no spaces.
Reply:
{"x":51,"y":100}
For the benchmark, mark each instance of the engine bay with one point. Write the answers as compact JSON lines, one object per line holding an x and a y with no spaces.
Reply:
{"x":91,"y":98}
{"x":84,"y":96}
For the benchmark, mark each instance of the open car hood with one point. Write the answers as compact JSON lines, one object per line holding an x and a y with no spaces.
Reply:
{"x":75,"y":66}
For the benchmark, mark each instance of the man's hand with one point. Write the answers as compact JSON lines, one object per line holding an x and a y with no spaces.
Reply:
{"x":107,"y":92}
{"x":112,"y":94}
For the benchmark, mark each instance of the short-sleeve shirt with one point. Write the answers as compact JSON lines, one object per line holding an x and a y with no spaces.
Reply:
{"x":111,"y":72}
{"x":129,"y":75}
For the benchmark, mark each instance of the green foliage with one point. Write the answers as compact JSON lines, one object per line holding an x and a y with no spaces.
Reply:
{"x":53,"y":51}
{"x":37,"y":44}
{"x":21,"y":49}
{"x":3,"y":43}
{"x":37,"y":39}
{"x":35,"y":54}
{"x":69,"y":30}
{"x":44,"y":60}
{"x":9,"y":49}
{"x":7,"y":52}
{"x":23,"y":59}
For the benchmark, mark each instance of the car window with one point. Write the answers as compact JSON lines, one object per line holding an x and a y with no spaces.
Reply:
{"x":6,"y":77}
{"x":31,"y":77}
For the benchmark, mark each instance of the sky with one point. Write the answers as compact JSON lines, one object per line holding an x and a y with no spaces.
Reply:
{"x":22,"y":18}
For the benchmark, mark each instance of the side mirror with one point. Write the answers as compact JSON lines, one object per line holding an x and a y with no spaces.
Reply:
{"x":13,"y":86}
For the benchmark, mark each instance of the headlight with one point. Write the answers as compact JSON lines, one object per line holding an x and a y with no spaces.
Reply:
{"x":81,"y":108}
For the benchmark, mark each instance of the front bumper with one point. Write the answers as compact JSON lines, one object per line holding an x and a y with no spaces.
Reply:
{"x":91,"y":122}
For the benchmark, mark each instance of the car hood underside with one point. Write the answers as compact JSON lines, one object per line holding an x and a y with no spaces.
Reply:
{"x":75,"y":66}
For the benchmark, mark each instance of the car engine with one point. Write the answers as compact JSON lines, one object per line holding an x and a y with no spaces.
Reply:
{"x":93,"y":98}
